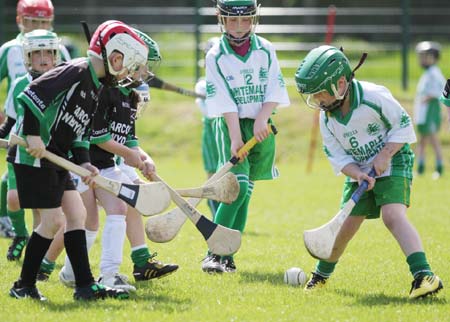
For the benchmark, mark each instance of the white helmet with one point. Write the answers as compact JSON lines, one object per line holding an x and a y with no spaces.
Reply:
{"x":37,"y":40}
{"x":429,"y":47}
{"x":113,"y":36}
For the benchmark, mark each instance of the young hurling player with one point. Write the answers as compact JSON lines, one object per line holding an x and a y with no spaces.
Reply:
{"x":113,"y":135}
{"x":58,"y":108}
{"x":363,"y":126}
{"x":41,"y":53}
{"x":209,"y":146}
{"x":244,"y":85}
{"x":427,"y":109}
{"x":31,"y":15}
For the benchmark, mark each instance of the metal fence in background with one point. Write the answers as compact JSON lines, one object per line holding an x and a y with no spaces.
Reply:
{"x":386,"y":28}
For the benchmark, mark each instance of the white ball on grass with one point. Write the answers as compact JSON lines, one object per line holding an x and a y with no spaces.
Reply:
{"x":295,"y":276}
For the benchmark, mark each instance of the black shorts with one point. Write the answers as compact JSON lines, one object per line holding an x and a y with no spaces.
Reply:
{"x":41,"y":188}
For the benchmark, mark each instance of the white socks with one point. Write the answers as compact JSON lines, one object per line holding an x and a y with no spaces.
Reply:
{"x":113,"y":239}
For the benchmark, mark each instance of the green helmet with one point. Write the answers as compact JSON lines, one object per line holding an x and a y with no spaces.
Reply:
{"x":320,"y":71}
{"x":237,"y":8}
{"x":154,"y":56}
{"x":38,"y":40}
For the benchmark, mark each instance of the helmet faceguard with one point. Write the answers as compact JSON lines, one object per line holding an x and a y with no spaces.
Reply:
{"x":115,"y":36}
{"x":153,"y":59}
{"x":320,"y":72}
{"x":40,"y":40}
{"x":34,"y":14}
{"x":228,"y":10}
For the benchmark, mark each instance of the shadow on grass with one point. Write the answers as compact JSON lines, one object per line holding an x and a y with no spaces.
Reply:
{"x":256,"y":234}
{"x":379,"y":299}
{"x":257,"y":277}
{"x":149,"y":302}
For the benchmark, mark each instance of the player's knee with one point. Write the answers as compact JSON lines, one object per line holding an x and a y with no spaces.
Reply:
{"x":75,"y":219}
{"x":390,"y":219}
{"x":116,"y":208}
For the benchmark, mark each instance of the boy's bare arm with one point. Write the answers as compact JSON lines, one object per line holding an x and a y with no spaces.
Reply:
{"x":383,"y":158}
{"x":260,"y":129}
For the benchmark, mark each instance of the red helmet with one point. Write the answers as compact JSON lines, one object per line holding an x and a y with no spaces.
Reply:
{"x":35,"y":8}
{"x":117,"y":36}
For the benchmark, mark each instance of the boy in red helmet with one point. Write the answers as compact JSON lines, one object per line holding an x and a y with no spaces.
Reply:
{"x":57,"y":111}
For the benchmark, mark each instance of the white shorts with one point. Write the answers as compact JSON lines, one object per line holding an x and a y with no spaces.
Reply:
{"x":114,"y":173}
{"x":130,"y":172}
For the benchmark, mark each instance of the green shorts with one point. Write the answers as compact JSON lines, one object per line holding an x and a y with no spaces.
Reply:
{"x":433,"y":119}
{"x":11,"y":177}
{"x":387,"y":190}
{"x":209,"y":147}
{"x":260,"y":163}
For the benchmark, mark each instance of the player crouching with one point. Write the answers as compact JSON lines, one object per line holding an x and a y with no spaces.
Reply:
{"x":364,"y":127}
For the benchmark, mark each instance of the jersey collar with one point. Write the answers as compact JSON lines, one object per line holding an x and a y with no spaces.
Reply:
{"x":125,"y":91}
{"x":356,"y":97}
{"x":226,"y":49}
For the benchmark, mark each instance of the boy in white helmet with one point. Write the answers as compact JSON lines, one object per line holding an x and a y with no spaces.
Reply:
{"x":31,"y":15}
{"x":41,"y":53}
{"x":113,"y":136}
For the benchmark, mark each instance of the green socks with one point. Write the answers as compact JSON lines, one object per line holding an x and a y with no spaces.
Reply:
{"x":18,"y":222}
{"x":226,"y":214}
{"x":3,"y":192}
{"x":325,"y":269}
{"x":47,"y":266}
{"x":140,"y":256}
{"x":418,"y":264}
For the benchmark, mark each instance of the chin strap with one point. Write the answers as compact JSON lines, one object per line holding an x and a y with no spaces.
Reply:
{"x":238,"y":41}
{"x":34,"y":74}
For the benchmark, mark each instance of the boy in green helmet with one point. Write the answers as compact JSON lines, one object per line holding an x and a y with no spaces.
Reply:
{"x":363,"y":127}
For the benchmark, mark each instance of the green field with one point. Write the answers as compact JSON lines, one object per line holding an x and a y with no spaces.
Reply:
{"x":371,"y":283}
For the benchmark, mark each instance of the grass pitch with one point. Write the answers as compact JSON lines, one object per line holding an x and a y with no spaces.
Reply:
{"x":371,"y":282}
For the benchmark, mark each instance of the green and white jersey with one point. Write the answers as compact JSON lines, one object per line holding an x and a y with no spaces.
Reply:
{"x":375,"y":118}
{"x":12,"y":62}
{"x":64,"y":101}
{"x":243,"y":83}
{"x":12,"y":107}
{"x":431,"y":84}
{"x":200,"y":88}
